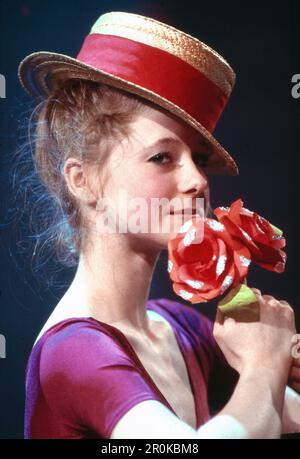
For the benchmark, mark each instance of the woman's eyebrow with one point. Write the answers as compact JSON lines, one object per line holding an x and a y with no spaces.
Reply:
{"x":167,"y":140}
{"x":171,"y":140}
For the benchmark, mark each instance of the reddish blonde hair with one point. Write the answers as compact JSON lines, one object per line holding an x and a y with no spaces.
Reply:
{"x":82,"y":119}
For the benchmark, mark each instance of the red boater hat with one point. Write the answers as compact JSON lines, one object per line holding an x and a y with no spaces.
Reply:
{"x":151,"y":59}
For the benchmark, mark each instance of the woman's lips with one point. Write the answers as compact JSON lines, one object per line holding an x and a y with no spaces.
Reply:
{"x":185,"y":212}
{"x":199,"y":207}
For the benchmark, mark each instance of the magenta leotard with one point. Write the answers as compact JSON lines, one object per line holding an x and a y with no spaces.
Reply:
{"x":83,"y":375}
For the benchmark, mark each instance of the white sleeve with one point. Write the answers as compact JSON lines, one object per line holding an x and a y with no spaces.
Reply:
{"x":151,"y":419}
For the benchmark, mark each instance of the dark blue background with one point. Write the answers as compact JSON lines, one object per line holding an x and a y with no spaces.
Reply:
{"x":259,"y":127}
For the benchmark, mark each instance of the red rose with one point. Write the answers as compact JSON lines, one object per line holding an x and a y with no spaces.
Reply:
{"x":204,"y":261}
{"x":263,"y":240}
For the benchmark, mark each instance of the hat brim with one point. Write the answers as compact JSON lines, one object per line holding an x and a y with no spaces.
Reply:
{"x":42,"y":72}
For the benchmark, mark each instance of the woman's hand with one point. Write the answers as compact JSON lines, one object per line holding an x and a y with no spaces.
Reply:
{"x":294,"y":375}
{"x":265,"y":343}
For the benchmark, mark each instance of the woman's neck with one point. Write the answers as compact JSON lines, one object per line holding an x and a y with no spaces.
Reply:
{"x":112,"y":284}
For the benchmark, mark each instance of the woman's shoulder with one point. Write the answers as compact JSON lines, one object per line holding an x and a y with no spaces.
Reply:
{"x":69,"y":331}
{"x":64,"y":318}
{"x":75,"y":348}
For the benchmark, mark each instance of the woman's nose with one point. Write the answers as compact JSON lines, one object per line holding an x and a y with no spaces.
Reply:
{"x":193,"y":179}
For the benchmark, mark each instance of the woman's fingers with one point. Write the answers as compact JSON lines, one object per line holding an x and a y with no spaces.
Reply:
{"x":285,"y":303}
{"x":270,"y":298}
{"x":255,"y":290}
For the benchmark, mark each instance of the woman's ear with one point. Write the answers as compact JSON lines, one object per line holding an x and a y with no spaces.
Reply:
{"x":76,"y":176}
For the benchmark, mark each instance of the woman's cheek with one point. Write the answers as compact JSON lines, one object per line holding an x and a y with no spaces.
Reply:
{"x":149,"y":188}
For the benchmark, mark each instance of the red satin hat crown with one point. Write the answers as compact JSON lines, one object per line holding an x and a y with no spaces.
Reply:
{"x":153,"y":60}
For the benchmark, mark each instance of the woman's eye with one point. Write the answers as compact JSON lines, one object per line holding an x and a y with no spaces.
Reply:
{"x":160,"y":157}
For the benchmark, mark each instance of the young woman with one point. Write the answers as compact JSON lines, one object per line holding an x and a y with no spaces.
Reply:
{"x":134,"y":114}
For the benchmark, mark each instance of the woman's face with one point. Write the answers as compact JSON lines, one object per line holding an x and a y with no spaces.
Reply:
{"x":163,"y":157}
